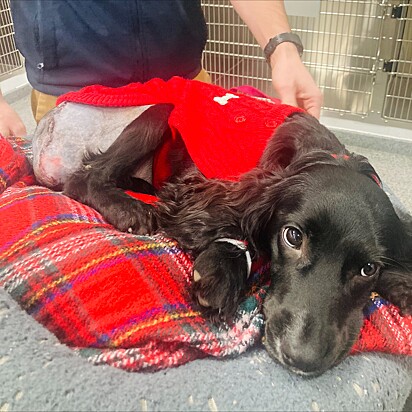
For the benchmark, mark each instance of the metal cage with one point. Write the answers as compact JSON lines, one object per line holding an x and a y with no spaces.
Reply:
{"x":398,"y":95}
{"x":347,"y":48}
{"x":10,"y":58}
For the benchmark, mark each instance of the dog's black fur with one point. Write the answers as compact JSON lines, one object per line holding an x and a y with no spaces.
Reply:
{"x":315,"y":209}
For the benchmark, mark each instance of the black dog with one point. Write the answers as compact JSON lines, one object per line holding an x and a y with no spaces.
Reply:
{"x":315,"y":209}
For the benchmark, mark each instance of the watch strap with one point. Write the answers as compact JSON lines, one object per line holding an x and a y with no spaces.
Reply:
{"x":281,"y":38}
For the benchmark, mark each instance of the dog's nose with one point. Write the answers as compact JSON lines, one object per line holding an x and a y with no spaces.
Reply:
{"x":307,"y":358}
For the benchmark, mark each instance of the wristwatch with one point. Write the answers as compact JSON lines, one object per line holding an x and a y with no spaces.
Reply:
{"x":281,"y":38}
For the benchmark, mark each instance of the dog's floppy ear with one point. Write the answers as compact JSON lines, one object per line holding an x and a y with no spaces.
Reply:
{"x":395,"y":281}
{"x":267,"y":192}
{"x":299,"y":134}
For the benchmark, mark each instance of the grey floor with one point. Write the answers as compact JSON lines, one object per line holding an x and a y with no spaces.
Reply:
{"x":391,"y":158}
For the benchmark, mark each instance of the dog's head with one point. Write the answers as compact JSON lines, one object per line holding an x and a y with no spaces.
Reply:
{"x":333,"y":236}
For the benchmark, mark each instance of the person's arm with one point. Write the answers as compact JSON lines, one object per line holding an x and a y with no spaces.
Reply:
{"x":291,"y":80}
{"x":10,"y":122}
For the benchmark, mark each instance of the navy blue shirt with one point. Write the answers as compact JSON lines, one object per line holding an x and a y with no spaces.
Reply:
{"x":69,"y":44}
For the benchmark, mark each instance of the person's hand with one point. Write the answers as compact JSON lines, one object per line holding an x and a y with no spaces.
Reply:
{"x":292,"y":81}
{"x":10,"y":122}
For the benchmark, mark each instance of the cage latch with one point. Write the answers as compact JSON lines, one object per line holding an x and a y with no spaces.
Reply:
{"x":397,"y":12}
{"x":388,"y":65}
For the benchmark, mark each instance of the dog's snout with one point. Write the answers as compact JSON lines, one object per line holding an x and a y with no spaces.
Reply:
{"x":308,"y":358}
{"x":305,"y":345}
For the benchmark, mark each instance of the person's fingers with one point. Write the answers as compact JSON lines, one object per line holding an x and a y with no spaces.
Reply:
{"x":289,"y":99}
{"x":10,"y":122}
{"x":19,"y":130}
{"x":315,"y":112}
{"x":291,"y":94}
{"x":314,"y":105}
{"x":286,"y":93}
{"x":295,"y":86}
{"x":4,"y":131}
{"x":313,"y":108}
{"x":16,"y":130}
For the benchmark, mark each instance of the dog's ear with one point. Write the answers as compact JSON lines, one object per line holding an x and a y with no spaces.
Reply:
{"x":300,"y":133}
{"x":395,"y":280}
{"x":361,"y":164}
{"x":268,"y":192}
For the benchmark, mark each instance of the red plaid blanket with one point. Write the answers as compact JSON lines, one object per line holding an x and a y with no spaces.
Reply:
{"x":117,"y":298}
{"x":121,"y":299}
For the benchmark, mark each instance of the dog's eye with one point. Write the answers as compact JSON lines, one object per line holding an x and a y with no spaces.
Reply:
{"x":370,"y":269}
{"x":292,"y":237}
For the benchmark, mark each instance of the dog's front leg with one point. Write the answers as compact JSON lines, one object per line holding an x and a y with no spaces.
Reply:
{"x":100,"y":181}
{"x":204,"y":216}
{"x":220,"y":274}
{"x":119,"y":209}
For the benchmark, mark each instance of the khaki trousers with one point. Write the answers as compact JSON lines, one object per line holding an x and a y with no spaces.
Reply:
{"x":41,"y":103}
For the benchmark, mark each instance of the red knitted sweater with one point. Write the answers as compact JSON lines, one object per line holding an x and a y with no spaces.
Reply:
{"x":225,"y":133}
